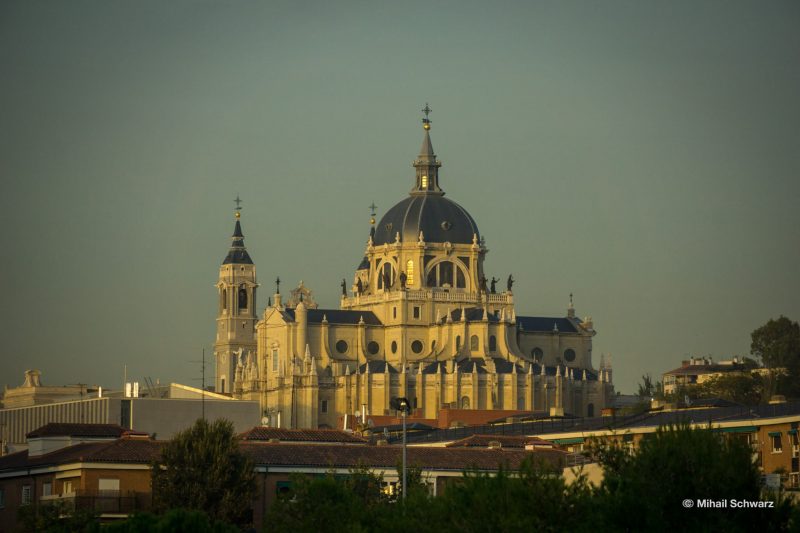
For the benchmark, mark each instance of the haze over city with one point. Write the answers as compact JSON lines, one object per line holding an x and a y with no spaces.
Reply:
{"x":643,"y":156}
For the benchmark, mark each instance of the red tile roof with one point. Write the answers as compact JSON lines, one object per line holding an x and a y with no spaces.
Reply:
{"x":123,"y":450}
{"x":59,"y":429}
{"x":342,"y":456}
{"x":301,"y":435}
{"x":506,"y":441}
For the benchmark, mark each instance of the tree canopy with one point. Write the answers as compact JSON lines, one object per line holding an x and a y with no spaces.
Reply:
{"x":203,"y":469}
{"x":777,"y":344}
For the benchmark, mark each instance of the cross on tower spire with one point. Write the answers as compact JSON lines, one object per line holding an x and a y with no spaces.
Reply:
{"x":238,"y":209}
{"x":426,"y":122}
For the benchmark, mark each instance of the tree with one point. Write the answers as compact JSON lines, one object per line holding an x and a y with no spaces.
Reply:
{"x":746,"y":388}
{"x":176,"y":520}
{"x":56,"y":517}
{"x":203,"y":469}
{"x":682,"y":463}
{"x":331,"y":503}
{"x":649,"y":388}
{"x":777,"y":344}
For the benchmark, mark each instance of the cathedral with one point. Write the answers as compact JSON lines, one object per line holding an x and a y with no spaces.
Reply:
{"x":420,"y":321}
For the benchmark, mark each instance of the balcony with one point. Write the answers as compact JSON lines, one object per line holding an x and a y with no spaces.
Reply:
{"x":106,"y":503}
{"x":437,"y":295}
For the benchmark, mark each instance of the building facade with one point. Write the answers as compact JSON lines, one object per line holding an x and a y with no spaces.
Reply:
{"x":420,"y":320}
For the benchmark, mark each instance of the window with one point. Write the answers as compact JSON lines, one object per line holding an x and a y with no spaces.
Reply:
{"x":473,"y":343}
{"x":416,"y":311}
{"x":569,"y":355}
{"x":341,"y":346}
{"x":67,"y":488}
{"x":446,"y":274}
{"x":394,"y":312}
{"x":274,"y":360}
{"x":388,"y":273}
{"x":590,"y":410}
{"x":108,"y":485}
{"x":424,"y":182}
{"x":465,"y":402}
{"x":416,"y":346}
{"x":776,"y":442}
{"x":460,"y":281}
{"x":373,"y":347}
{"x":242,"y":298}
{"x":537,"y":354}
{"x":458,"y":342}
{"x":2,"y":498}
{"x":26,"y":494}
{"x":222,"y":385}
{"x":492,"y":343}
{"x":394,"y":346}
{"x":409,"y":273}
{"x":323,"y":408}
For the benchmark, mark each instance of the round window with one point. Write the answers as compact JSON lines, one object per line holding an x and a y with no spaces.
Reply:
{"x":537,"y":354}
{"x":341,"y":346}
{"x":416,"y":346}
{"x":569,"y":355}
{"x":394,"y":347}
{"x":373,"y":347}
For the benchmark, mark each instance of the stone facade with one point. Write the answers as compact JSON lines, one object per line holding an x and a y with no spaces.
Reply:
{"x":421,"y":321}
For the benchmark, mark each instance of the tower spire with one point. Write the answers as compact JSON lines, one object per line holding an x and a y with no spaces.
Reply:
{"x":237,"y":254}
{"x":426,"y":165}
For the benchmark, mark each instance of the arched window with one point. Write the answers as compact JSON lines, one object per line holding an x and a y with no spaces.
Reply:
{"x":492,"y":343}
{"x":473,"y":343}
{"x":465,"y":402}
{"x":458,"y":342}
{"x":242,"y":298}
{"x":537,"y":354}
{"x":384,"y":272}
{"x":224,"y":299}
{"x":590,"y":410}
{"x":409,"y":273}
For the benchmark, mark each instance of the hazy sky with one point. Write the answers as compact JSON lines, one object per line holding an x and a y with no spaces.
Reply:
{"x":643,"y":155}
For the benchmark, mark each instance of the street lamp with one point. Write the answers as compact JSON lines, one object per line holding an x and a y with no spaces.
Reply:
{"x":404,"y":406}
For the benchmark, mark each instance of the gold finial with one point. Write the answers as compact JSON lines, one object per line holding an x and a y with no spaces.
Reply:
{"x":426,"y":122}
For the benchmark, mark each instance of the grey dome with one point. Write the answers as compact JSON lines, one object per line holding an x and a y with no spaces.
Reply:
{"x":439,"y":219}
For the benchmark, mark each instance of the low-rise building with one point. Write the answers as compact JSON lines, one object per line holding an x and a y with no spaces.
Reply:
{"x":698,"y":370}
{"x":108,"y":468}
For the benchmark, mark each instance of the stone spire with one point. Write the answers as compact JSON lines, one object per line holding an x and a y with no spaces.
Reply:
{"x":426,"y":165}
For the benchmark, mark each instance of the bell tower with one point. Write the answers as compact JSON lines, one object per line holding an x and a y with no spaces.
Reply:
{"x":236,"y":315}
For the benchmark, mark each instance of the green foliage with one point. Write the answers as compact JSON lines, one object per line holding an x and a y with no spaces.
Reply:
{"x":649,"y":388}
{"x":56,"y":517}
{"x":777,"y":343}
{"x":745,"y":388}
{"x":202,"y":469}
{"x":174,"y":521}
{"x":536,"y":498}
{"x":680,"y":463}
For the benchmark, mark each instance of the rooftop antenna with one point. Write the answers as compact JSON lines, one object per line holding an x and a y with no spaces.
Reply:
{"x":203,"y":381}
